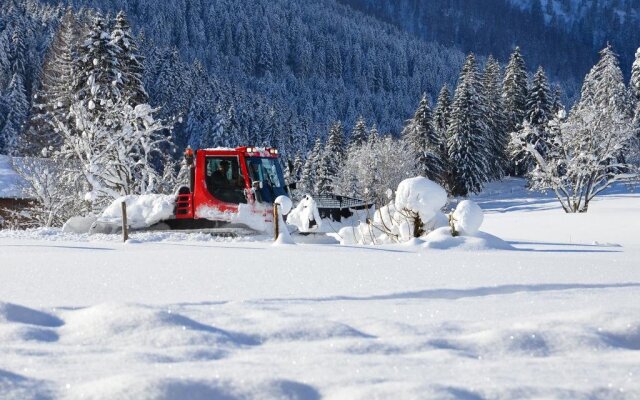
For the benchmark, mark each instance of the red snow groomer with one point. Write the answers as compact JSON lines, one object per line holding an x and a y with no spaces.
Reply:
{"x":229,"y":188}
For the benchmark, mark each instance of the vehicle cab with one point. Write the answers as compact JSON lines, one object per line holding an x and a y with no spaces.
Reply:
{"x":225,"y":180}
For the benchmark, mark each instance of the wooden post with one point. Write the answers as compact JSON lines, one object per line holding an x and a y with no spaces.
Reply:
{"x":125,"y":231}
{"x":275,"y":221}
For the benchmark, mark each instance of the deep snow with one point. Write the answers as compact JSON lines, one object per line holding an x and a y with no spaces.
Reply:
{"x":179,"y":316}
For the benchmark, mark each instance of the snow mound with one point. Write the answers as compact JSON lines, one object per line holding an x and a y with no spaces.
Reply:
{"x":254,"y":216}
{"x":467,"y":218}
{"x":15,"y":386}
{"x":350,"y":235}
{"x":23,"y":315}
{"x":305,"y":212}
{"x":285,"y":204}
{"x":79,"y":224}
{"x":306,"y":330}
{"x":179,"y":388}
{"x":441,"y":239}
{"x":140,"y":387}
{"x":284,"y":237}
{"x":420,"y":195}
{"x":131,"y":326}
{"x":142,"y":210}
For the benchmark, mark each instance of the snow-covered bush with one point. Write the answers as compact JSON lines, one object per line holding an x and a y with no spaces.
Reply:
{"x":304,"y":214}
{"x":415,"y":211}
{"x":57,"y":196}
{"x":373,"y":168}
{"x":466,"y":218}
{"x":420,"y":196}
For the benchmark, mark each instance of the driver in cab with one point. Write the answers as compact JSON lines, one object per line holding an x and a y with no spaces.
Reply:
{"x":219,"y":178}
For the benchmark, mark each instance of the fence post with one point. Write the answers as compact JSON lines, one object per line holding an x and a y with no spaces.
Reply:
{"x":125,"y":230}
{"x":276,"y":227}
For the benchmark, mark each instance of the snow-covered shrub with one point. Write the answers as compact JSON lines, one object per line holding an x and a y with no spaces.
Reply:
{"x":415,"y":211}
{"x":373,"y":168}
{"x":305,"y":212}
{"x":467,"y":218}
{"x":56,"y":194}
{"x":421,"y":196}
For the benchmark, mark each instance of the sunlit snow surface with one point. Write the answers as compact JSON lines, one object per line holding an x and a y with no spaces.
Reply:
{"x":176,"y":316}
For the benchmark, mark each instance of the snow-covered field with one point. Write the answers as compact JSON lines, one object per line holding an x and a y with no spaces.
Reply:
{"x":174,"y":316}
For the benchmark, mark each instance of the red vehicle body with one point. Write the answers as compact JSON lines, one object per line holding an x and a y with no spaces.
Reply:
{"x":217,"y":197}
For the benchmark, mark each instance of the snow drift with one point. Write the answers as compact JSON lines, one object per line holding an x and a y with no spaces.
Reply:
{"x":142,"y":211}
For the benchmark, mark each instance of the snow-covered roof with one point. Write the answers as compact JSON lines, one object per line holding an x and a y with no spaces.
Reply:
{"x":11,"y":184}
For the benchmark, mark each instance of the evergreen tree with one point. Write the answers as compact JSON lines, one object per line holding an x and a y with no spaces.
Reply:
{"x":308,"y":174}
{"x":374,"y":135}
{"x":604,"y":88}
{"x":18,"y":107}
{"x":539,"y":104}
{"x":514,"y":91}
{"x":298,"y":165}
{"x":53,"y":100}
{"x":537,"y":115}
{"x":424,"y":142}
{"x":130,"y":62}
{"x":330,"y":161}
{"x":498,"y":138}
{"x":635,"y":77}
{"x":469,"y":152}
{"x":98,"y":75}
{"x":359,"y":133}
{"x":556,"y":100}
{"x":442,"y":112}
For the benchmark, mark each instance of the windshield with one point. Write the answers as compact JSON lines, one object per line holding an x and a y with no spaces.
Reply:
{"x":269,"y":172}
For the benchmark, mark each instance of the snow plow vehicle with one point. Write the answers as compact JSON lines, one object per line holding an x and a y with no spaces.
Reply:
{"x":229,"y":187}
{"x":231,"y":191}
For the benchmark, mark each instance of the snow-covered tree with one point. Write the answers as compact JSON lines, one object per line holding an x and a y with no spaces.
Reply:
{"x":514,"y":91}
{"x":308,"y":173}
{"x":538,"y":111}
{"x":469,"y":151}
{"x":376,"y":167}
{"x":18,"y":107}
{"x":330,"y":161}
{"x":57,"y":197}
{"x":98,"y":80}
{"x":374,"y":135}
{"x":497,"y":138}
{"x":56,"y":92}
{"x":635,"y":92}
{"x":113,"y":163}
{"x":129,"y":62}
{"x":424,"y":143}
{"x":635,"y":77}
{"x":556,"y":101}
{"x":442,"y":112}
{"x":538,"y":114}
{"x":584,"y":153}
{"x":358,"y":133}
